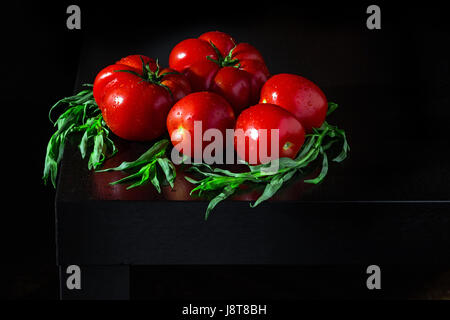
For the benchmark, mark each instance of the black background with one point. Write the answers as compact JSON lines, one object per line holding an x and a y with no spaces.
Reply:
{"x":41,"y":58}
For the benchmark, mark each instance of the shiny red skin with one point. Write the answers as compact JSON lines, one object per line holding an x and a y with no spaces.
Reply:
{"x":235,"y":85}
{"x":201,"y":75}
{"x":299,"y":96}
{"x":189,"y":52}
{"x":245,"y":51}
{"x":132,"y":108}
{"x":210,"y":108}
{"x":259,"y":75}
{"x":268,"y":116}
{"x":190,"y":58}
{"x":177,"y":83}
{"x":134,"y":61}
{"x":221,"y":40}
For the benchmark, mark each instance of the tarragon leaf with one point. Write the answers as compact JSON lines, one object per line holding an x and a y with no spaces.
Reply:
{"x":97,"y":154}
{"x":168,"y":169}
{"x":147,"y":156}
{"x":273,"y":186}
{"x":81,"y":123}
{"x":224,"y":182}
{"x":323,"y":172}
{"x":147,"y":165}
{"x":331,"y":107}
{"x":226,"y":192}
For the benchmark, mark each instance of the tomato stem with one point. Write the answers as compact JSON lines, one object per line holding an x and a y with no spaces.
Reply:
{"x":226,"y":61}
{"x":151,"y":76}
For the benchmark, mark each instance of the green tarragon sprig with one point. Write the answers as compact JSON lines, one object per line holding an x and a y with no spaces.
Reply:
{"x":152,"y":166}
{"x":81,"y":122}
{"x":224,"y":183}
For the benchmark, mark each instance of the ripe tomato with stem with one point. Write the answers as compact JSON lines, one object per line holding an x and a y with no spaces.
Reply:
{"x":135,"y":95}
{"x":215,"y":62}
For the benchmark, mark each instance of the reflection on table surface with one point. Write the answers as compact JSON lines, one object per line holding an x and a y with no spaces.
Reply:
{"x":103,"y":190}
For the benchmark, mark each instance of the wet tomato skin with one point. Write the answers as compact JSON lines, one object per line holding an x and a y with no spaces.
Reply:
{"x":245,"y":51}
{"x":221,"y":40}
{"x":201,"y":75}
{"x":193,"y":57}
{"x":133,"y":108}
{"x":258,"y":76}
{"x":177,"y":83}
{"x":136,"y":111}
{"x":134,"y":61}
{"x":234,"y":85}
{"x":188,"y":52}
{"x":267,"y":116}
{"x":109,"y":75}
{"x":300,"y":96}
{"x":210,"y":108}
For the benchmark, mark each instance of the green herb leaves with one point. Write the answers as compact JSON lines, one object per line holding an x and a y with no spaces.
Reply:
{"x":81,"y":123}
{"x":224,"y":183}
{"x":153,"y":166}
{"x":96,"y":138}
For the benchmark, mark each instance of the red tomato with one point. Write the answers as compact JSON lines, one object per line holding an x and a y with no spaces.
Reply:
{"x":211,"y":109}
{"x":177,"y":83}
{"x":245,"y":51}
{"x":189,"y":52}
{"x":298,"y":95}
{"x":267,"y":116}
{"x":201,"y":75}
{"x":221,"y":40}
{"x":213,"y":62}
{"x":234,"y":85}
{"x":134,"y":96}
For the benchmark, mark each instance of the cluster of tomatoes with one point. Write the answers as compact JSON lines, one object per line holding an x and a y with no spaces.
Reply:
{"x":212,"y":79}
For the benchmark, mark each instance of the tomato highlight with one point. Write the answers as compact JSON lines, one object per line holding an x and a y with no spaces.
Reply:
{"x":258,"y":148}
{"x":134,"y":96}
{"x":298,"y":95}
{"x":214,"y":62}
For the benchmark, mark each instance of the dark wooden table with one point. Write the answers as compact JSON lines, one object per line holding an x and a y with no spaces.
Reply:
{"x":388,"y":203}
